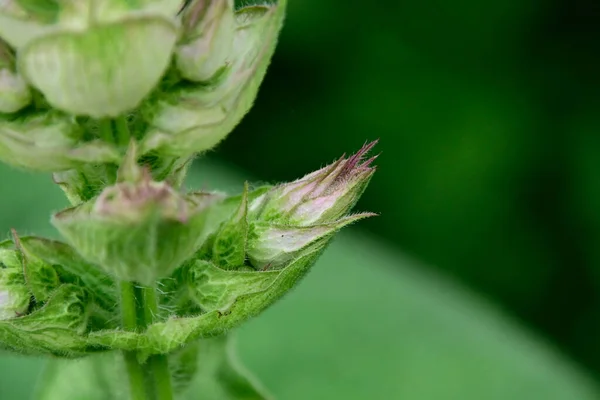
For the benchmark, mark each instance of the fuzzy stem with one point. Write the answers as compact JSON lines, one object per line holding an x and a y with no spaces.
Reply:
{"x":122,"y":130}
{"x":159,"y":364}
{"x":137,"y":386}
{"x":105,"y":130}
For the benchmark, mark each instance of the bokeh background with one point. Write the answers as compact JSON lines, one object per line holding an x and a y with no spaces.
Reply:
{"x":488,"y":115}
{"x":489,"y":120}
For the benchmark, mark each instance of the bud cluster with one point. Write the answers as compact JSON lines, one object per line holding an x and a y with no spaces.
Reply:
{"x":217,"y":259}
{"x":180,"y":74}
{"x":116,"y":98}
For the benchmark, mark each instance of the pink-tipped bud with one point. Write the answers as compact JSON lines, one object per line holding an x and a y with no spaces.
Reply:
{"x":320,"y":197}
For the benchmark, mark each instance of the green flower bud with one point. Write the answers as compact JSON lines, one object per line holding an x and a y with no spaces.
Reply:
{"x":92,"y":58}
{"x":274,"y":246}
{"x":14,"y":295}
{"x":196,"y":117}
{"x":14,"y":93}
{"x":320,"y":197}
{"x":206,"y":47}
{"x":49,"y":142}
{"x":137,"y":230}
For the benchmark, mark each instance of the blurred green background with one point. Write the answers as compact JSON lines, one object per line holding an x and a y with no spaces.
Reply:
{"x":489,"y":120}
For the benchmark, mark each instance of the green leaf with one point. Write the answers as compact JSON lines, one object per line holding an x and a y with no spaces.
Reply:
{"x":15,"y":297}
{"x":229,"y":247}
{"x":164,"y":337}
{"x":72,"y":268}
{"x":370,"y":323}
{"x":204,"y":370}
{"x":220,"y":376}
{"x":54,"y":329}
{"x":215,"y":289}
{"x":99,"y":377}
{"x":40,"y":277}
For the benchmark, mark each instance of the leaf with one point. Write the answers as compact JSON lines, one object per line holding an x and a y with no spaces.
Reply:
{"x":40,"y":278}
{"x":98,"y":377}
{"x":72,"y":268}
{"x":215,"y":289}
{"x":204,"y":370}
{"x":54,"y":329}
{"x":229,"y":247}
{"x":220,"y":376}
{"x":370,"y":323}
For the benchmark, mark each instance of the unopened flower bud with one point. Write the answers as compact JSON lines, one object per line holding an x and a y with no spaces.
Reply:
{"x":98,"y":59}
{"x":49,"y":142}
{"x":197,"y":117}
{"x":14,"y":93}
{"x":137,"y":230}
{"x":14,"y":296}
{"x":273,"y":246}
{"x":320,"y":197}
{"x":208,"y":39}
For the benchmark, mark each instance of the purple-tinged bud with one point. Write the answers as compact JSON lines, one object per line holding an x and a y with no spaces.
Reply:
{"x":209,"y":28}
{"x":138,"y":229}
{"x":320,"y":197}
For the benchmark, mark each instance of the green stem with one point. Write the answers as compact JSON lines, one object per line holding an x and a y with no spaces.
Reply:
{"x":105,"y":130}
{"x":122,"y":130}
{"x":137,"y":386}
{"x":159,"y":364}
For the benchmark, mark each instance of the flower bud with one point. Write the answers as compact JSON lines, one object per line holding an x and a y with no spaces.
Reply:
{"x":273,"y":246}
{"x":49,"y":142}
{"x":14,"y":296}
{"x":209,"y":29}
{"x":320,"y":197}
{"x":198,"y":116}
{"x":14,"y":93}
{"x":97,"y":59}
{"x":137,"y":230}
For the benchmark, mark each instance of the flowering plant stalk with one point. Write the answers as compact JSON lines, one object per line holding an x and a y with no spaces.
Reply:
{"x":115,"y":98}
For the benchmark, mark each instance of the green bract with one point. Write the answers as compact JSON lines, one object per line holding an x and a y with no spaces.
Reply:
{"x":14,"y":93}
{"x":207,"y":44}
{"x":14,"y":296}
{"x":195,"y":117}
{"x":49,"y":141}
{"x":88,"y":57}
{"x":116,"y":98}
{"x":138,"y":229}
{"x":231,"y":268}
